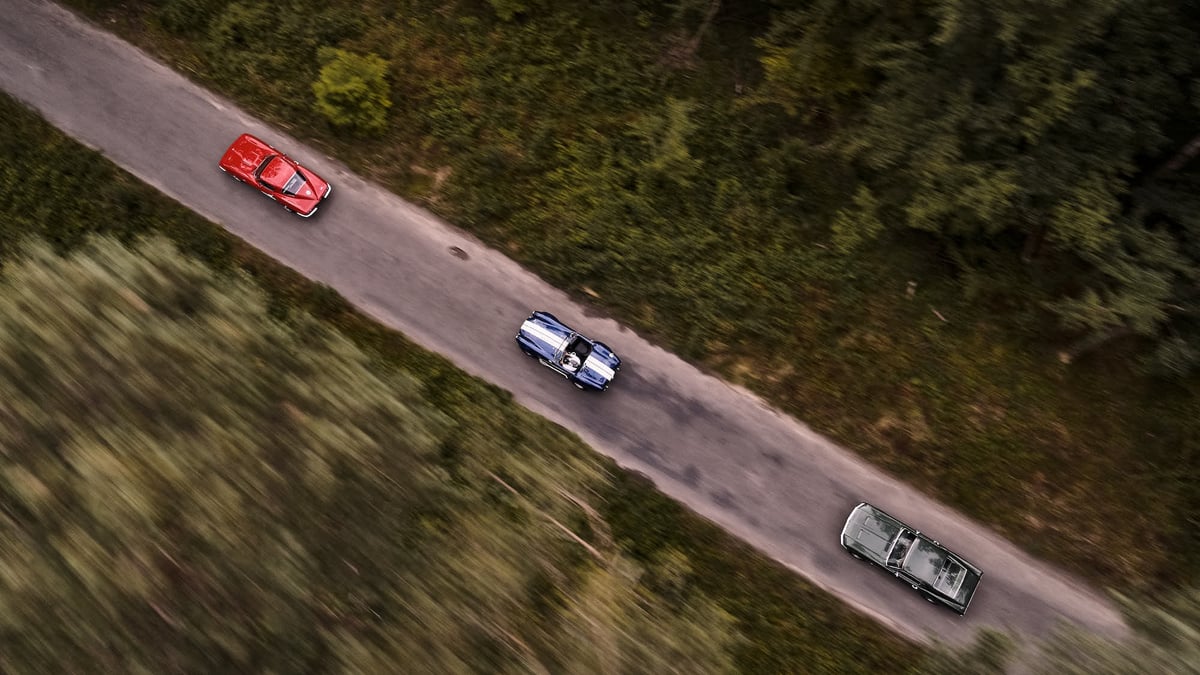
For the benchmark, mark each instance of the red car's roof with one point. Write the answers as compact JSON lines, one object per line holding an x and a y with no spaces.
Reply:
{"x":278,"y":172}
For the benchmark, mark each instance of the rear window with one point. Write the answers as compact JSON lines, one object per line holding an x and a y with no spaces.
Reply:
{"x":292,"y":187}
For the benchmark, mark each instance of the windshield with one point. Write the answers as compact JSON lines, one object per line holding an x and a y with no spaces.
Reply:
{"x":294,"y":184}
{"x":265,"y":163}
{"x":900,"y":548}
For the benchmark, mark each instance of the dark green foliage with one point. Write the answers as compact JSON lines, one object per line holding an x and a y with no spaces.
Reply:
{"x":326,"y":303}
{"x":1009,"y":133}
{"x":189,"y":17}
{"x":510,"y":9}
{"x":239,"y":41}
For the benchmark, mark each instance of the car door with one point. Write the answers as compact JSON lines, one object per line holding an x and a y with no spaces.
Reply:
{"x":555,"y":363}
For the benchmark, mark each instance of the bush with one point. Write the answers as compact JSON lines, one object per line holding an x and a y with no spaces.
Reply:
{"x":507,"y":9}
{"x":351,"y":90}
{"x":188,"y":17}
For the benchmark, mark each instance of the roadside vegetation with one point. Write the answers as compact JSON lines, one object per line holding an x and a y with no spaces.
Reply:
{"x":211,"y":464}
{"x":958,"y":237}
{"x":1164,"y":640}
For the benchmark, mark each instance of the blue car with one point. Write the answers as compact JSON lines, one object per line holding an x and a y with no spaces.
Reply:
{"x":585,"y":363}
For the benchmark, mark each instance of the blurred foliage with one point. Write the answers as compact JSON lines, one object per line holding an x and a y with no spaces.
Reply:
{"x":198,"y":476}
{"x":189,"y":485}
{"x":1165,"y":640}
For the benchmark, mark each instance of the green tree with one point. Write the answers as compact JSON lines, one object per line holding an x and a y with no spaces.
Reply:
{"x":1011,"y":134}
{"x":352,"y":90}
{"x":818,"y":62}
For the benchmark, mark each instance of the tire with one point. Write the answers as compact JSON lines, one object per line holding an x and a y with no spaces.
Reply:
{"x":857,"y":556}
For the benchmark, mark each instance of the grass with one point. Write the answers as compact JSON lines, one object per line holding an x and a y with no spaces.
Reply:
{"x":562,"y":122}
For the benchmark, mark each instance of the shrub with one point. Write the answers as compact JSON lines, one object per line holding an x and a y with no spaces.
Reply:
{"x":351,"y":90}
{"x":187,"y":17}
{"x":507,"y":9}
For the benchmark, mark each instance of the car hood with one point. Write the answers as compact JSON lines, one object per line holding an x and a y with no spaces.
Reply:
{"x":870,"y":532}
{"x":545,"y":336}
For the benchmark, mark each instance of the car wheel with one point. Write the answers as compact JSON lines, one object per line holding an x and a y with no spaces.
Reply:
{"x":288,"y":209}
{"x":857,"y":556}
{"x":579,"y":386}
{"x":930,"y":600}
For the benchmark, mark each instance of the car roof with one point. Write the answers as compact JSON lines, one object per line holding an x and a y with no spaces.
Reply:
{"x":278,"y":172}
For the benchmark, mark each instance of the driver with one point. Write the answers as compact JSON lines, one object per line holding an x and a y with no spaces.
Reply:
{"x":571,"y":361}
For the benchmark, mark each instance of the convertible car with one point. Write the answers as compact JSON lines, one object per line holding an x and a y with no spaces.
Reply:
{"x":930,"y":568}
{"x":585,"y":363}
{"x":252,"y":161}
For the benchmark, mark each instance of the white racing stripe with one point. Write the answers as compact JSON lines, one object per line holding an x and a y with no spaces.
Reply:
{"x":540,"y":332}
{"x":600,"y":368}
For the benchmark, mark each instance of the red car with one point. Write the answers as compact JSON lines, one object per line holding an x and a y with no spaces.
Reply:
{"x":250,"y":160}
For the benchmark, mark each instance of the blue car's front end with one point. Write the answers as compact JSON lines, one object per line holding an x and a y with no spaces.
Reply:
{"x":543,"y":336}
